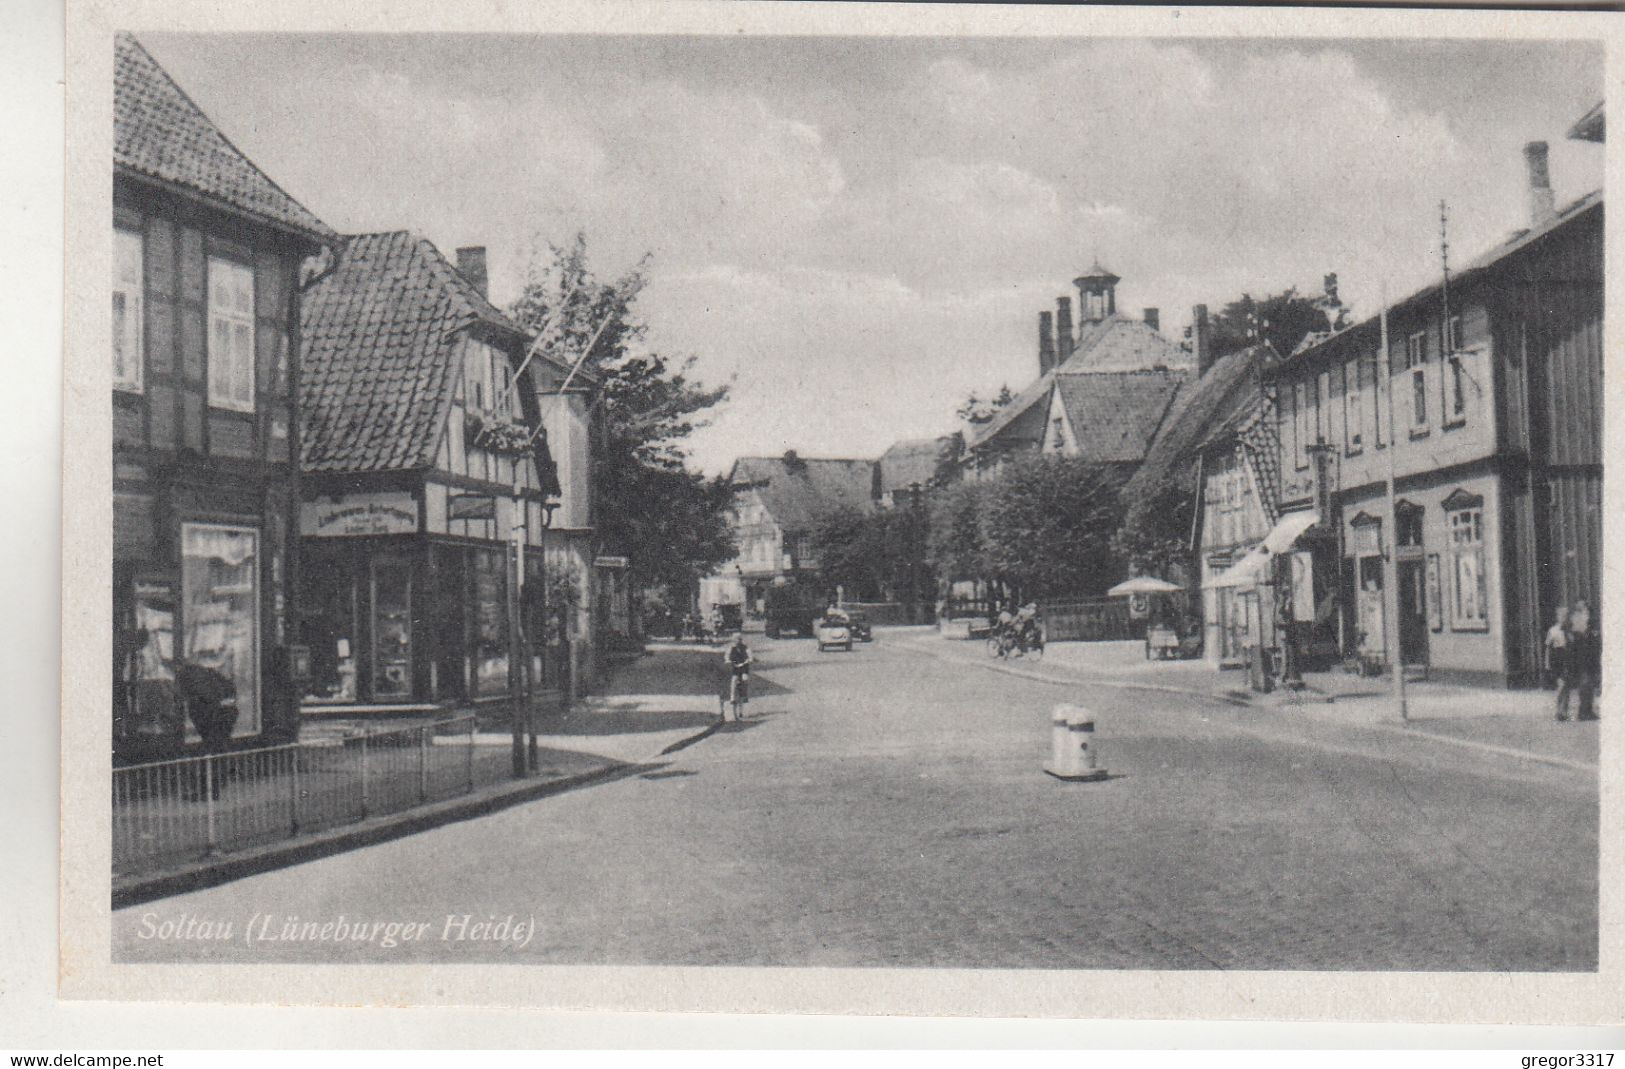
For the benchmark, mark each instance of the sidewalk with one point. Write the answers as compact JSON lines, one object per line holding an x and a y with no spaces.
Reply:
{"x":1513,"y":722}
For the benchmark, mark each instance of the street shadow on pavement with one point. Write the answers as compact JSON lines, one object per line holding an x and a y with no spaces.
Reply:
{"x":720,"y":727}
{"x":627,"y":721}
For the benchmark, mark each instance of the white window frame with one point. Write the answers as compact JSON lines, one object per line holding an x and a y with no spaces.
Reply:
{"x":1456,"y":383}
{"x":129,"y":285}
{"x":233,"y":378}
{"x":1353,"y":408}
{"x":1416,"y":357}
{"x":1466,"y":534}
{"x":1323,"y":402}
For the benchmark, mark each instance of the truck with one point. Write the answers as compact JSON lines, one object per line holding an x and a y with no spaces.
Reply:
{"x":791,"y":609}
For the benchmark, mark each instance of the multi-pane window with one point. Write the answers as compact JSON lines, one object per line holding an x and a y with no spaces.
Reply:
{"x":1416,"y":353}
{"x":1300,"y":423}
{"x":231,"y":335}
{"x":1323,"y":404}
{"x":1354,"y":406}
{"x":1453,"y":342}
{"x":1379,"y":399}
{"x":1469,"y":610}
{"x":127,"y":289}
{"x":1455,"y":390}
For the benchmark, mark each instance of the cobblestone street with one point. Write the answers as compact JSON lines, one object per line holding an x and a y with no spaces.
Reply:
{"x":886,"y":808}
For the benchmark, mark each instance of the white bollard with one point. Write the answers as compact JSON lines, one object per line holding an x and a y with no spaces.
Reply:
{"x":1072,"y":745}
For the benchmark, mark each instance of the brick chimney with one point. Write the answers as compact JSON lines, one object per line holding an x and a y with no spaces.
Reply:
{"x":1063,"y":329}
{"x":1046,"y":343}
{"x":1153,"y":318}
{"x":471,"y":262}
{"x":1542,"y":207}
{"x":1201,"y":339}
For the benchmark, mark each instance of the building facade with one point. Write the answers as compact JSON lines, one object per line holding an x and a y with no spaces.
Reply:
{"x":207,"y":255}
{"x":1487,"y":406}
{"x":430,"y":489}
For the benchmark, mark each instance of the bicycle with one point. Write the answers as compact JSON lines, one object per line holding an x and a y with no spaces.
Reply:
{"x":737,"y":689}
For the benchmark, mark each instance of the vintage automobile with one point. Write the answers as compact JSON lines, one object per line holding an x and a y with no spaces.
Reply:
{"x":858,"y":623}
{"x":832,"y":632}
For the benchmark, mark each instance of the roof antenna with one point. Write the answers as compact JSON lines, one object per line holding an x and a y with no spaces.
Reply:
{"x":1449,"y":345}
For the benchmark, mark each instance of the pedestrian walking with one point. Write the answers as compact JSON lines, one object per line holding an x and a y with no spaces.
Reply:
{"x":1557,"y":660}
{"x":1585,"y":660}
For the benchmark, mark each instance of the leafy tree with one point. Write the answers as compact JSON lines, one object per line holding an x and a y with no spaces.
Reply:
{"x":649,"y":504}
{"x":859,"y":551}
{"x":977,"y":412}
{"x":1155,"y":536}
{"x":1284,"y":319}
{"x":1048,"y":524}
{"x":956,"y":544}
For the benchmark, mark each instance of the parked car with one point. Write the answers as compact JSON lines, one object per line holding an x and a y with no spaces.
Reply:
{"x":858,"y":623}
{"x":832,"y":632}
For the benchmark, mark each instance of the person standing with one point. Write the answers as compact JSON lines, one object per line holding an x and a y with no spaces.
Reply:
{"x":1585,"y":660}
{"x":1557,"y":660}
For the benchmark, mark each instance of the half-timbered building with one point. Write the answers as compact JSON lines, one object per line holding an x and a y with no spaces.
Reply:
{"x":207,"y":254}
{"x":429,"y":486}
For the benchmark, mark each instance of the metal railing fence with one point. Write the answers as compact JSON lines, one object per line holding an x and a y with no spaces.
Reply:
{"x":167,"y":812}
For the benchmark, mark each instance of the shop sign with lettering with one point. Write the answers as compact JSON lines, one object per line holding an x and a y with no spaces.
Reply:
{"x":392,"y":512}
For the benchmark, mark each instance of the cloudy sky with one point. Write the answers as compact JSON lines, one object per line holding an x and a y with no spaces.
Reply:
{"x":860,"y":232}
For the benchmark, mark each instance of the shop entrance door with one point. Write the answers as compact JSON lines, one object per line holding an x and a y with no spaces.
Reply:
{"x":391,"y":629}
{"x":1413,"y":613}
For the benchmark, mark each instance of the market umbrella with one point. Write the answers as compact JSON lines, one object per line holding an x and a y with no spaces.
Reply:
{"x":1142,"y":584}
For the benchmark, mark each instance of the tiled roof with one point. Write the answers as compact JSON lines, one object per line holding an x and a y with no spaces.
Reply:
{"x":1205,"y":410}
{"x":1592,"y":125}
{"x":159,"y":132}
{"x":1115,"y":414}
{"x":1489,"y":261}
{"x":911,"y":461}
{"x":799,"y":492}
{"x":380,"y":350}
{"x":1116,"y":343}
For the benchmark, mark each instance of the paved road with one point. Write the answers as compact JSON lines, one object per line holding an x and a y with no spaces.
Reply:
{"x":888,"y":809}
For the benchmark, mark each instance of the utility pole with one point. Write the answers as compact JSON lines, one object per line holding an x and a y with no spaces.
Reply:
{"x":1390,"y":577}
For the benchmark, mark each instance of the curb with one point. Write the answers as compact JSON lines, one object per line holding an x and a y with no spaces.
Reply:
{"x":199,"y":875}
{"x":1246,"y":703}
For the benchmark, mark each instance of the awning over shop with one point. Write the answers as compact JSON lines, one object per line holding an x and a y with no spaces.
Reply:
{"x":1252,"y":568}
{"x":1289,"y":529}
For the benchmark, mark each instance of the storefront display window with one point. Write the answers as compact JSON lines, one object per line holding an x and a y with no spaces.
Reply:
{"x":149,"y":667}
{"x":220,"y":610}
{"x":1469,"y":606}
{"x":490,"y":624}
{"x":391,"y":630}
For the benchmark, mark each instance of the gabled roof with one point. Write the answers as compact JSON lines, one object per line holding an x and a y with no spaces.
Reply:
{"x":1489,"y":261}
{"x":798,"y":492}
{"x":1116,"y":343}
{"x":1115,"y":414}
{"x":160,"y":133}
{"x":911,"y":461}
{"x":1592,"y":126}
{"x":1208,"y":409}
{"x":380,"y":354}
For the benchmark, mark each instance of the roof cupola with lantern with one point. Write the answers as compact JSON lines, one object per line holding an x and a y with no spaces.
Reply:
{"x":1097,"y":294}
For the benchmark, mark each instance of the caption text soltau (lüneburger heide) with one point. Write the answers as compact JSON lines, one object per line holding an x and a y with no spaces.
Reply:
{"x":264,"y":928}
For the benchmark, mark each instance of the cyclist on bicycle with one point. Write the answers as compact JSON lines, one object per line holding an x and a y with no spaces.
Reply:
{"x":738,"y":659}
{"x":1025,"y":623}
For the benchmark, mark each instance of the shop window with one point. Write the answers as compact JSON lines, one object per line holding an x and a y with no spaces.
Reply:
{"x":490,"y":622}
{"x":231,"y":335}
{"x":220,"y":610}
{"x":1469,"y":607}
{"x":1416,"y":353}
{"x":1353,"y":407}
{"x":127,"y":310}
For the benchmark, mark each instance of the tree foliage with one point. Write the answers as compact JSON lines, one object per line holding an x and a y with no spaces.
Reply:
{"x":667,"y":519}
{"x":1283,"y":319}
{"x":1044,"y":527}
{"x":1156,"y":531}
{"x":976,"y":412}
